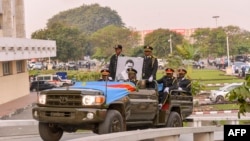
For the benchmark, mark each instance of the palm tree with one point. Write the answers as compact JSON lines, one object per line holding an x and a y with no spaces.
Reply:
{"x":188,"y":51}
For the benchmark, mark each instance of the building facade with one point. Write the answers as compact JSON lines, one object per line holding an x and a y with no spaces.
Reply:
{"x":185,"y":32}
{"x":15,"y":50}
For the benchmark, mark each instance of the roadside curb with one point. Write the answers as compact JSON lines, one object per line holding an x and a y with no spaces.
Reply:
{"x":17,"y":111}
{"x":215,"y":112}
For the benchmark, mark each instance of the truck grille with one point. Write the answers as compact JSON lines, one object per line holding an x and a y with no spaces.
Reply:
{"x":64,"y":100}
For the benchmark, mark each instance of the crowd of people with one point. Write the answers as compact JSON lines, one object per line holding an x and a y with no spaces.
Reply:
{"x":150,"y":65}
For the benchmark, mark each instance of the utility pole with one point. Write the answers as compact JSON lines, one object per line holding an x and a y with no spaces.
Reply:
{"x":170,"y":44}
{"x":228,"y":58}
{"x":216,"y":17}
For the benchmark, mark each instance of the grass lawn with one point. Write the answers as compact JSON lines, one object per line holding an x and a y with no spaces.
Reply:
{"x":217,"y":107}
{"x":225,"y":107}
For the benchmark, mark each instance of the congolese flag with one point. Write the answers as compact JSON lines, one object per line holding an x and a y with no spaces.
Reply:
{"x":112,"y":90}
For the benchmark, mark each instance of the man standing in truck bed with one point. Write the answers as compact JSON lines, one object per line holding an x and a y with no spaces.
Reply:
{"x":150,"y":66}
{"x":113,"y":61}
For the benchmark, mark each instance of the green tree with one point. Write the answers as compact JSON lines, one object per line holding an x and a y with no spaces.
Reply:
{"x":188,"y":51}
{"x":88,"y":18}
{"x":106,"y":38}
{"x":201,"y":40}
{"x":159,"y":40}
{"x":238,"y":40}
{"x":69,"y":41}
{"x":213,"y":42}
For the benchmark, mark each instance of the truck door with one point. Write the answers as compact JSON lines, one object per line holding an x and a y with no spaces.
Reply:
{"x":143,"y":104}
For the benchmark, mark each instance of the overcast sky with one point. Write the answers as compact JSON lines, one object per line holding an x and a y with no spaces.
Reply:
{"x":149,"y":14}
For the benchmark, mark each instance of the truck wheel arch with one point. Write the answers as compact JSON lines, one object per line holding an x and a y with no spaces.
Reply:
{"x":112,"y":123}
{"x":120,"y":108}
{"x":174,"y":120}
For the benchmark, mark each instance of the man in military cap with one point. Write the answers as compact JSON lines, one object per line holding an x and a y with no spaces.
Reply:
{"x":132,"y":75}
{"x":169,"y":82}
{"x":105,"y":75}
{"x":183,"y":83}
{"x":114,"y":59}
{"x":150,"y":66}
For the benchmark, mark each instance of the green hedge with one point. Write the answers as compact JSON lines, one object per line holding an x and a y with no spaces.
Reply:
{"x":73,"y":75}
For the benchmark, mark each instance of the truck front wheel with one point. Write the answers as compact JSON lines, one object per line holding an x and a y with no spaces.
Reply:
{"x":50,"y":133}
{"x":174,"y":120}
{"x":112,"y":123}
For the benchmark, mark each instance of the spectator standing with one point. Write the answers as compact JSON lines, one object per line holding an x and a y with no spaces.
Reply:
{"x":243,"y":70}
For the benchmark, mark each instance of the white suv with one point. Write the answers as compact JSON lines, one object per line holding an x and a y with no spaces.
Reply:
{"x":217,"y":96}
{"x":55,"y":80}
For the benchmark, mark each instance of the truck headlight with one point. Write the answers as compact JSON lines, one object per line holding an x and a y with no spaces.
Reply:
{"x":42,"y":99}
{"x":93,"y":100}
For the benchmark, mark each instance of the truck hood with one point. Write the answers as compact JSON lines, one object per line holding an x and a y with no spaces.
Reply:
{"x":112,"y":90}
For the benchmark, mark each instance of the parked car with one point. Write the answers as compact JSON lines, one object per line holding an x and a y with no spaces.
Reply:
{"x":40,"y":85}
{"x":218,"y":96}
{"x":72,"y":66}
{"x":55,"y":80}
{"x":38,"y":66}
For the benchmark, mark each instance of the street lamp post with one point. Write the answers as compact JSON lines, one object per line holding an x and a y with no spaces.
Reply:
{"x":228,"y":62}
{"x":215,"y":17}
{"x":170,"y":43}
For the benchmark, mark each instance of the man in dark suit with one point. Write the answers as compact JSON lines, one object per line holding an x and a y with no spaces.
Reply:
{"x":168,"y":81}
{"x":113,"y":61}
{"x":132,"y":75}
{"x":150,"y":66}
{"x":105,"y":75}
{"x":183,"y":83}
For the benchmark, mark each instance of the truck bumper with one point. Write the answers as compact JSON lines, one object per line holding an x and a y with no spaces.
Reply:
{"x":68,"y":115}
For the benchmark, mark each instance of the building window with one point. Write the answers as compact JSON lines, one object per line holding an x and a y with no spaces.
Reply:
{"x":20,"y":66}
{"x":6,"y":68}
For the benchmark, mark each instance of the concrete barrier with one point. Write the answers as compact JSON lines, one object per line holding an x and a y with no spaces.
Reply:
{"x":197,"y":121}
{"x":205,"y":133}
{"x":159,"y":134}
{"x":6,"y":123}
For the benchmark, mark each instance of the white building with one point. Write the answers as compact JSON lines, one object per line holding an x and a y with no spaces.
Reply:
{"x":15,"y":50}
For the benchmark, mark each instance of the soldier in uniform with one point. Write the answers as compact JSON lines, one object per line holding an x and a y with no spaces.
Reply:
{"x":105,"y":75}
{"x":169,"y":82}
{"x":183,"y":83}
{"x":114,"y":59}
{"x":150,"y":66}
{"x":132,"y":75}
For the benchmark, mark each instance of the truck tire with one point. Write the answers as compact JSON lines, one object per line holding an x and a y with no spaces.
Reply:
{"x":112,"y":123}
{"x":174,"y":120}
{"x":49,"y":133}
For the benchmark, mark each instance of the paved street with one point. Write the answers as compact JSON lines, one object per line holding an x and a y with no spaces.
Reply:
{"x":30,"y":133}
